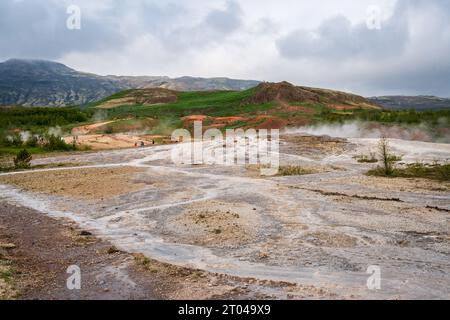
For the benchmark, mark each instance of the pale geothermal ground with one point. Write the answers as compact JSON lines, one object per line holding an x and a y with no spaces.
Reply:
{"x":318,"y":233}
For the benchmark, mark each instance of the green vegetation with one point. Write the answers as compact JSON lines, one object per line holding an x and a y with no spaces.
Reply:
{"x":14,"y":144}
{"x":56,"y":143}
{"x":168,"y":117}
{"x":162,"y":119}
{"x":367,"y":159}
{"x":211,"y":103}
{"x":432,"y":118}
{"x":293,"y":171}
{"x":32,"y":118}
{"x":417,"y":170}
{"x":229,"y":103}
{"x":386,"y":157}
{"x":22,"y":127}
{"x":22,"y":160}
{"x":8,"y":273}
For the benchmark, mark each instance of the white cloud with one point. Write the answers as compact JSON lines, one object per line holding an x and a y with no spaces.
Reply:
{"x":322,"y":44}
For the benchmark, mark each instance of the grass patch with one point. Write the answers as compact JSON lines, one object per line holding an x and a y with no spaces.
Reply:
{"x":13,"y":151}
{"x":7,"y":285}
{"x":367,"y":158}
{"x":283,"y":171}
{"x":294,"y":171}
{"x":146,"y":263}
{"x":417,"y":170}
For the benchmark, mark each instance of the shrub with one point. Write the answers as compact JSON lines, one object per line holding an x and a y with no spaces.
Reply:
{"x":56,"y":143}
{"x":440,"y":172}
{"x":386,"y":157}
{"x":22,"y":160}
{"x":420,"y":170}
{"x":367,"y":159}
{"x":14,"y":140}
{"x":293,"y":171}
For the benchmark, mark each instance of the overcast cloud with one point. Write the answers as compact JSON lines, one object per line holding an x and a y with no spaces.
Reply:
{"x":323,"y":44}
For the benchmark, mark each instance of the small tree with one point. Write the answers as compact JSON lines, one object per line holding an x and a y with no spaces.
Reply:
{"x":23,"y":160}
{"x":387,"y":158}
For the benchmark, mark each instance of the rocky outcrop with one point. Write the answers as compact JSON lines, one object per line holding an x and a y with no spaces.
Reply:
{"x":288,"y":93}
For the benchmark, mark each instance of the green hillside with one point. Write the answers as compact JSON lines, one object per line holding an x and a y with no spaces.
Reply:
{"x":272,"y":105}
{"x":159,"y":111}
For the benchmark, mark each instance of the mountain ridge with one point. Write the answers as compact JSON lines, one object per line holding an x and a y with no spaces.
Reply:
{"x":35,"y":82}
{"x":48,"y":83}
{"x":419,"y":102}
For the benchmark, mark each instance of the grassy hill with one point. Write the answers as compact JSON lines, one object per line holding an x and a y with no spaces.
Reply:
{"x":269,"y":105}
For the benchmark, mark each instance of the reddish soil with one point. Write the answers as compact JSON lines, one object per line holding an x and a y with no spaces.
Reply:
{"x":189,"y":120}
{"x":269,"y":92}
{"x":284,"y":107}
{"x":195,"y":117}
{"x":228,"y":120}
{"x":268,"y":122}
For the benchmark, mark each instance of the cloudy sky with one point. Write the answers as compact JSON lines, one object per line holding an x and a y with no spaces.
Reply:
{"x":371,"y":47}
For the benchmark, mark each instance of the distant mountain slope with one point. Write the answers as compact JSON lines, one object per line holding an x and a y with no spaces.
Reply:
{"x":47,"y":83}
{"x":43,"y":83}
{"x":412,"y":102}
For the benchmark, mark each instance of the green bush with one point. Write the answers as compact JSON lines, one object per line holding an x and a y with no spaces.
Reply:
{"x":388,"y":160}
{"x":56,"y":143}
{"x":23,"y":160}
{"x":13,"y":140}
{"x":367,"y":158}
{"x":417,"y":170}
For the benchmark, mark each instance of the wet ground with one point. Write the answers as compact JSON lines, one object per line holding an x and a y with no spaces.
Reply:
{"x":322,"y":230}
